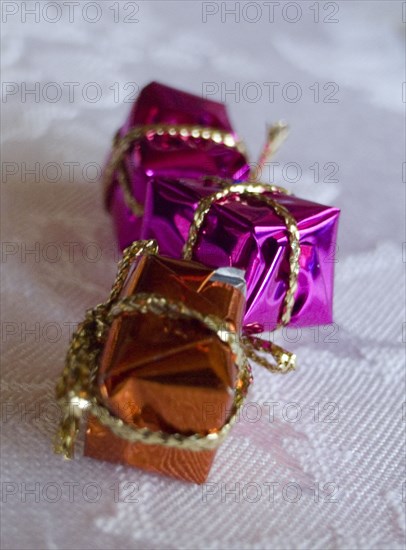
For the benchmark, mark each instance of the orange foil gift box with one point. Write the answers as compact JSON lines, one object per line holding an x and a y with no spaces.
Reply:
{"x":158,"y":367}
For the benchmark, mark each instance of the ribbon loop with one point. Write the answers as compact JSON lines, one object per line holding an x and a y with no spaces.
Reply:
{"x":285,"y":361}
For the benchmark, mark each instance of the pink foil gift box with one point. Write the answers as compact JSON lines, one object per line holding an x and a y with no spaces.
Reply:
{"x":247,"y":234}
{"x":183,"y":136}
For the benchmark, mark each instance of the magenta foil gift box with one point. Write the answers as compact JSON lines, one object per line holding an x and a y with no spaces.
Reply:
{"x":247,"y":234}
{"x":180,"y":135}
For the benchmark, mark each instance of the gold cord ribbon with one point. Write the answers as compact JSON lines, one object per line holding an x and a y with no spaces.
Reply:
{"x":277,"y":134}
{"x":76,"y":389}
{"x":257,"y":192}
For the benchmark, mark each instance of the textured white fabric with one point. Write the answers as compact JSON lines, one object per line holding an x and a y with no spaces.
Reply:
{"x":361,"y":375}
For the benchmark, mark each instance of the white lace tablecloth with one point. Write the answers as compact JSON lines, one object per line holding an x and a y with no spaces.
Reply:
{"x":323,"y":466}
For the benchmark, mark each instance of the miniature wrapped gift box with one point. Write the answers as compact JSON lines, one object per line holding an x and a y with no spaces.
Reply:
{"x":173,"y":133}
{"x":167,"y":382}
{"x":241,"y":230}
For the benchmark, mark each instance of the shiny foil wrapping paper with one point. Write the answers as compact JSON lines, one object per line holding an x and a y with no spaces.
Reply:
{"x":169,"y":375}
{"x":169,"y":175}
{"x":173,"y":156}
{"x":247,"y":234}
